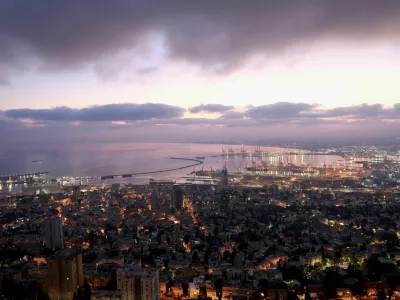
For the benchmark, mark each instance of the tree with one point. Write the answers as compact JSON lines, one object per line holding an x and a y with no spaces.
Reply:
{"x":216,"y":231}
{"x":307,"y":295}
{"x":195,"y":256}
{"x":331,"y":282}
{"x":219,"y":283}
{"x":277,"y":295}
{"x":85,"y":291}
{"x":263,"y":286}
{"x":185,"y":288}
{"x":390,"y":294}
{"x":206,"y":255}
{"x":292,"y":273}
{"x":11,"y":289}
{"x":186,"y":238}
{"x":42,"y":295}
{"x":357,"y":288}
{"x":112,"y":284}
{"x":375,"y":268}
{"x":148,"y":260}
{"x":203,"y":291}
{"x":92,"y":238}
{"x":381,"y":294}
{"x":292,"y":296}
{"x":226,"y":254}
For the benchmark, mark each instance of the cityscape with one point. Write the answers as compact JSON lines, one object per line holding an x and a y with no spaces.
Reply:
{"x":268,"y":231}
{"x":199,"y":150}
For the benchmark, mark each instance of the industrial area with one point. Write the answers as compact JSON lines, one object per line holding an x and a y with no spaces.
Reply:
{"x":254,"y":168}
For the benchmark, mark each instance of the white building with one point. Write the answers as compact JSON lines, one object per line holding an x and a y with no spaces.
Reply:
{"x":54,"y":235}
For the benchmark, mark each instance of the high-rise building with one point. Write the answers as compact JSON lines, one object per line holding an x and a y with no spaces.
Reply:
{"x":128,"y":287}
{"x":155,"y":199}
{"x":146,"y":283}
{"x":76,"y":193}
{"x":148,"y":287}
{"x":274,"y":189}
{"x":224,"y":176}
{"x":65,"y":274}
{"x":177,"y":197}
{"x":53,"y":229}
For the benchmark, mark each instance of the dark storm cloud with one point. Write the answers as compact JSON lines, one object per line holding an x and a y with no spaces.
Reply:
{"x":110,"y":112}
{"x":220,"y":35}
{"x":211,"y":108}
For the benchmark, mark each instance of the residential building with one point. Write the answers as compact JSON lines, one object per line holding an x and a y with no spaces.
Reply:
{"x":53,"y":228}
{"x":65,"y":274}
{"x":149,"y":289}
{"x":128,"y":287}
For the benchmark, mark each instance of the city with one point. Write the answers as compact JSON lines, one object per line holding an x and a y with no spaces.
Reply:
{"x":208,"y":150}
{"x":211,"y":235}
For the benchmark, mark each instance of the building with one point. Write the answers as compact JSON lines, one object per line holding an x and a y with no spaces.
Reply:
{"x":54,"y":235}
{"x":274,"y":190}
{"x":177,"y":197}
{"x":155,"y":199}
{"x":144,"y":281}
{"x":65,"y":274}
{"x":224,"y":176}
{"x":128,"y":287}
{"x":44,"y":190}
{"x":105,"y":295}
{"x":76,"y":193}
{"x":149,"y":289}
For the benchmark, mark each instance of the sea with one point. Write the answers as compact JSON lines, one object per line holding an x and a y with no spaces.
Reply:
{"x":100,"y":159}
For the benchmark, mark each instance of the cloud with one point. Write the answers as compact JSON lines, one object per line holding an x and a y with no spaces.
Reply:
{"x":9,"y":123}
{"x":211,"y":108}
{"x":363,"y":111}
{"x":233,"y":115}
{"x":278,"y":110}
{"x":297,"y":114}
{"x":152,"y":122}
{"x":149,"y":114}
{"x":110,"y":112}
{"x":220,"y":35}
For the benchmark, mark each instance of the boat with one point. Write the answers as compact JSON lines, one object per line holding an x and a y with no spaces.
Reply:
{"x":200,"y":157}
{"x":37,"y":161}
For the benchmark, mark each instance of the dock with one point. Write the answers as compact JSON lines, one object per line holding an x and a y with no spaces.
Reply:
{"x":21,"y":176}
{"x":195,"y":162}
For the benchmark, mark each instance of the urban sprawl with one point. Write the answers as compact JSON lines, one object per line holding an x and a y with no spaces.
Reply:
{"x":276,"y":231}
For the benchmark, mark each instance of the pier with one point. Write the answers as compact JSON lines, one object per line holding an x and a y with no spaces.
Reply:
{"x":196,"y":162}
{"x":21,"y":176}
{"x":258,"y":152}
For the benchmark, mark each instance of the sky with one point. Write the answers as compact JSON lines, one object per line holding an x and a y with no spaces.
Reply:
{"x":199,"y":70}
